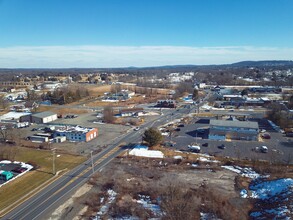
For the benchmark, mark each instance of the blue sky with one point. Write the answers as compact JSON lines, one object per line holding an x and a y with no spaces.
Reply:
{"x":114,"y":33}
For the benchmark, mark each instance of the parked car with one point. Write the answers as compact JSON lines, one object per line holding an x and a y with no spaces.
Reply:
{"x":136,"y":128}
{"x":19,"y":170}
{"x":169,"y":144}
{"x":264,"y":149}
{"x":177,"y":129}
{"x":205,"y":144}
{"x":181,"y":125}
{"x":222,"y":146}
{"x":266,"y":136}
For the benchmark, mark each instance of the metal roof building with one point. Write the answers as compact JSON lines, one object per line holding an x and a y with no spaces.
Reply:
{"x":43,"y":117}
{"x":233,"y":130}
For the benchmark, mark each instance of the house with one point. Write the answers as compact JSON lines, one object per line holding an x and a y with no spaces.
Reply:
{"x":130,"y":112}
{"x":77,"y":133}
{"x":43,"y":117}
{"x":233,"y":130}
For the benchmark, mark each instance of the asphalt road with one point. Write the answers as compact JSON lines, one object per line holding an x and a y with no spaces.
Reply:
{"x":47,"y":200}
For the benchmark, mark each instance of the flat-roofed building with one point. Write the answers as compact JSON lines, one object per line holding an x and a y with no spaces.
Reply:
{"x":129,"y":112}
{"x":233,"y":130}
{"x":43,"y":117}
{"x":76,"y":134}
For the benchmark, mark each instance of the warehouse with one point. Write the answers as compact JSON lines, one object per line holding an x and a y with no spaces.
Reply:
{"x":43,"y":117}
{"x":233,"y":130}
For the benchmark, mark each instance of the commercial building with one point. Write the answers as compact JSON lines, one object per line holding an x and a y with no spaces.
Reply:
{"x":233,"y":130}
{"x":77,"y":133}
{"x":14,"y":117}
{"x":43,"y":117}
{"x":38,"y":139}
{"x":130,"y":112}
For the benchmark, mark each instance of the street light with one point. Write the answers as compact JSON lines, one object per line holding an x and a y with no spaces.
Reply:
{"x":92,"y":162}
{"x":53,"y":160}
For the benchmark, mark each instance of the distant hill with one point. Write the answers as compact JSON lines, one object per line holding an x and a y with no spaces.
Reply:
{"x":263,"y":63}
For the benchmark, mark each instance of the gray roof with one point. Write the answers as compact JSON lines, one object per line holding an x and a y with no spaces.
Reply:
{"x":238,"y":124}
{"x":43,"y":114}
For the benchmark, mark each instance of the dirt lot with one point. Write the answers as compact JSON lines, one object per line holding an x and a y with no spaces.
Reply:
{"x":204,"y":188}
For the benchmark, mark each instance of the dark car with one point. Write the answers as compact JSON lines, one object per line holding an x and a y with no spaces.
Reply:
{"x":266,"y":136}
{"x":205,"y":144}
{"x":222,"y":146}
{"x":177,"y":129}
{"x":19,"y":170}
{"x":181,"y":125}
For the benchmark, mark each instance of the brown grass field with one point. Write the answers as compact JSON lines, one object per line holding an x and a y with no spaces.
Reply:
{"x":19,"y":187}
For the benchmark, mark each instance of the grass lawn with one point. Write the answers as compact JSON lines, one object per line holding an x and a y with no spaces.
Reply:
{"x":19,"y":187}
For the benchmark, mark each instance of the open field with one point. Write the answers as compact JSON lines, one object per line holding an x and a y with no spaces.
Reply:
{"x":19,"y":187}
{"x":68,"y":109}
{"x":95,"y":90}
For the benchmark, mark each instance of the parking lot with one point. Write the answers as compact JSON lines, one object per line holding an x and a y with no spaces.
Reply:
{"x":280,"y":148}
{"x":15,"y":168}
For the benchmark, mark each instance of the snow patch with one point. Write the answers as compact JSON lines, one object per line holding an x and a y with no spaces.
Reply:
{"x":268,"y":189}
{"x":142,"y":151}
{"x":243,"y":171}
{"x":204,"y":159}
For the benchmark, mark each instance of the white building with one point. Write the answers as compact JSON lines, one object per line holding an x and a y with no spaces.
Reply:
{"x":43,"y":117}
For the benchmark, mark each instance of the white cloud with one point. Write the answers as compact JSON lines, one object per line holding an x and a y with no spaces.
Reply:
{"x":123,"y":56}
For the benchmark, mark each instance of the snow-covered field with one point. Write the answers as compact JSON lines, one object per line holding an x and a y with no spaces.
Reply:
{"x":277,"y":197}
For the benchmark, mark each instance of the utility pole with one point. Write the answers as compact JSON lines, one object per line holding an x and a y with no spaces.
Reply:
{"x":92,"y":162}
{"x":53,"y":154}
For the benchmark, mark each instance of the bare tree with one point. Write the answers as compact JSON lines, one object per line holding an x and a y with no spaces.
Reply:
{"x":115,"y":88}
{"x":3,"y":103}
{"x":109,"y":114}
{"x":178,"y":202}
{"x":6,"y":133}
